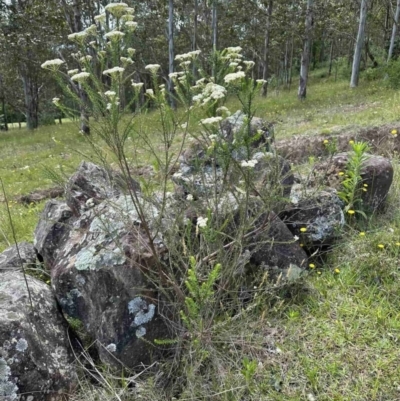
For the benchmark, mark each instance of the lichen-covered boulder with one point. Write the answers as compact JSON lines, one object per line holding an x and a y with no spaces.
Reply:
{"x":230,"y":131}
{"x":53,"y":224}
{"x":273,"y":174}
{"x":36,"y":362}
{"x":22,"y":255}
{"x":204,"y":168}
{"x":319,"y":213}
{"x":233,"y":125}
{"x":274,"y":245}
{"x":102,"y":278}
{"x":91,"y":184}
{"x":376,"y":173}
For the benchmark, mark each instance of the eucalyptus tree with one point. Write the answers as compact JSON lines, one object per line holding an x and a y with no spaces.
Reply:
{"x":305,"y":57}
{"x":355,"y":72}
{"x":394,"y":30}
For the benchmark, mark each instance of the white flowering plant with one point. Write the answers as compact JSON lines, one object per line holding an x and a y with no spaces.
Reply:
{"x":207,"y":259}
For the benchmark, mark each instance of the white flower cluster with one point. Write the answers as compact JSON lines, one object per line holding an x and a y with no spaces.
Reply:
{"x":85,"y":59}
{"x":202,"y":221}
{"x":91,"y":30}
{"x":114,"y":35}
{"x":153,"y":68}
{"x":249,"y":163}
{"x":56,"y":101}
{"x":137,"y":85}
{"x":115,"y":71}
{"x":126,"y":61}
{"x":234,"y":76}
{"x":211,"y":92}
{"x":211,"y":120}
{"x":187,"y":56}
{"x":52,"y":64}
{"x":249,"y":64}
{"x":116,"y":9}
{"x":72,"y":72}
{"x":127,"y":17}
{"x":261,"y":81}
{"x":100,"y":18}
{"x":223,"y":111}
{"x":234,"y":50}
{"x":110,"y":94}
{"x":78,"y":37}
{"x":80,"y":77}
{"x":131,"y":25}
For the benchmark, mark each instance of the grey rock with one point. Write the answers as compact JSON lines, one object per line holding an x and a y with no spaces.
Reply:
{"x":234,"y":124}
{"x":101,"y":277}
{"x":276,"y":245}
{"x":319,"y":212}
{"x":376,"y":172}
{"x":91,"y":184}
{"x":53,"y":224}
{"x":36,"y":362}
{"x":17,"y":256}
{"x":273,"y":173}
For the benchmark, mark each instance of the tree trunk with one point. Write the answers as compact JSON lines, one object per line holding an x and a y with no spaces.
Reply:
{"x":305,"y":57}
{"x":355,"y":72}
{"x":394,"y":31}
{"x":194,"y":39}
{"x":196,"y":11}
{"x":291,"y":63}
{"x":31,"y":102}
{"x":171,"y":51}
{"x":331,"y":58}
{"x":76,"y":25}
{"x":3,"y":106}
{"x":214,"y":26}
{"x":266,"y":49}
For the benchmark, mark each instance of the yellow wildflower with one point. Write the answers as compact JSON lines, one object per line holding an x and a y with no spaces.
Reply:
{"x":318,"y":272}
{"x":394,"y":132}
{"x":351,"y":142}
{"x":362,"y":234}
{"x":303,"y":229}
{"x":365,"y":189}
{"x":381,"y":246}
{"x":366,"y":185}
{"x":337,"y":271}
{"x":398,"y":243}
{"x":326,"y":141}
{"x":312,"y":266}
{"x":341,"y":173}
{"x":350,"y":211}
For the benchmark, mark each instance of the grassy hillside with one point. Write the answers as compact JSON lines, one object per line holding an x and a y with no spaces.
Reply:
{"x":337,"y":336}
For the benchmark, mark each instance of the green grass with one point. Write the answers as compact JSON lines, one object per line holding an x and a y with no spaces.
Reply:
{"x":339,"y":334}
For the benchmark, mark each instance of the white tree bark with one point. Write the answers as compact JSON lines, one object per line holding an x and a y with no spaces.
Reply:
{"x":266,"y":49}
{"x":214,"y":25}
{"x":394,"y":30}
{"x":171,"y":50}
{"x":355,"y":72}
{"x":305,"y":57}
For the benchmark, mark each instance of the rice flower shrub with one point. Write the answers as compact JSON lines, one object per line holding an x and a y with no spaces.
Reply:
{"x":207,"y":280}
